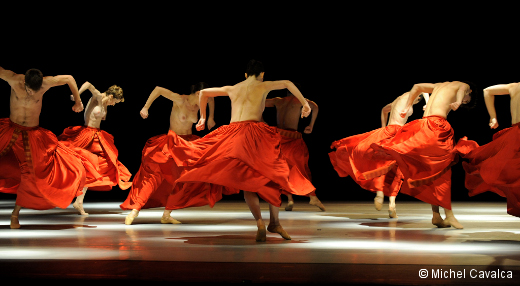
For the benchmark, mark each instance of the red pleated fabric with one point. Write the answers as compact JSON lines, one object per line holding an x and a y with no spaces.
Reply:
{"x":50,"y":174}
{"x":241,"y":156}
{"x":101,"y":144}
{"x":295,"y":152}
{"x":424,"y":152}
{"x":153,"y":184}
{"x":353,"y":156}
{"x":495,"y":167}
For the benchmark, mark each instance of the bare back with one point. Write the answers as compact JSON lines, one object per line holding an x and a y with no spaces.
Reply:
{"x":288,"y":112}
{"x":247,"y":100}
{"x":397,"y":105}
{"x":514,"y":92}
{"x":442,"y":96}
{"x":184,"y":115}
{"x":25,"y":109}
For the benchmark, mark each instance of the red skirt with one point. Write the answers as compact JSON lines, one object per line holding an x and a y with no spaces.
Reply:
{"x":153,"y":184}
{"x":240,"y":156}
{"x":496,"y":167}
{"x":295,"y":152}
{"x":49,"y":174}
{"x":101,"y":144}
{"x":353,"y":156}
{"x":424,"y":152}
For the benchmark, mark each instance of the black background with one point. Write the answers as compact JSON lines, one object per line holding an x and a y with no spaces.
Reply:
{"x":350,"y":61}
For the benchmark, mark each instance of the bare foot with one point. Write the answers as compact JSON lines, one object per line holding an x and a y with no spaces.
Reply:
{"x":451,"y":220}
{"x":378,"y":202}
{"x":79,"y":208}
{"x":278,"y":229}
{"x":439,"y":222}
{"x":169,"y":219}
{"x":289,"y":206}
{"x":131,"y":216}
{"x":316,"y":202}
{"x":261,"y":234}
{"x":14,"y":222}
{"x":392,"y":212}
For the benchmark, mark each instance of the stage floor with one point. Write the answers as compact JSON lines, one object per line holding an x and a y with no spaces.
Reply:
{"x":349,"y":242}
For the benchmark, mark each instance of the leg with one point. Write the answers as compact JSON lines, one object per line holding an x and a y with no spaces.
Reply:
{"x":378,"y":200}
{"x":166,"y":217}
{"x":14,"y":217}
{"x":316,"y":202}
{"x":274,"y":223}
{"x":78,"y":204}
{"x":131,"y":216}
{"x":254,"y":206}
{"x":290,"y":203}
{"x":437,"y":219}
{"x":391,"y":207}
{"x":451,"y":220}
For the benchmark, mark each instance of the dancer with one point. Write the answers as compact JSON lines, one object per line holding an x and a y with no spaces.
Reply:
{"x":91,"y":138}
{"x":41,"y":171}
{"x":424,"y":149}
{"x":294,"y":149}
{"x":153,"y":184}
{"x":353,"y":154}
{"x":496,"y":166}
{"x":245,"y":155}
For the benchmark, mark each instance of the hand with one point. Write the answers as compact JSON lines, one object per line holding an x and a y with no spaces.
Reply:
{"x":200,"y":125}
{"x":306,"y":110}
{"x":78,"y":107}
{"x":308,"y":130}
{"x":144,"y":113}
{"x":424,"y":108}
{"x":493,"y":123}
{"x":211,"y":123}
{"x":455,"y":105}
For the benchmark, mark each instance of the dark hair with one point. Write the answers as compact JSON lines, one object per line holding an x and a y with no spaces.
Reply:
{"x":116,"y":92}
{"x":198,"y":86}
{"x":474,"y":95}
{"x":254,"y":67}
{"x":34,"y":79}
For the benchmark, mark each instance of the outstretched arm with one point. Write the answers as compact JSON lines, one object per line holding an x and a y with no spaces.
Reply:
{"x":281,"y":84}
{"x":158,"y":91}
{"x":314,"y":115}
{"x":7,"y":75}
{"x":384,"y":114}
{"x":489,"y":98}
{"x":52,"y":81}
{"x":414,"y":92}
{"x":204,"y":95}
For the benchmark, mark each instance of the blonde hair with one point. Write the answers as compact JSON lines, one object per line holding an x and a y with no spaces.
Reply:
{"x":116,"y":92}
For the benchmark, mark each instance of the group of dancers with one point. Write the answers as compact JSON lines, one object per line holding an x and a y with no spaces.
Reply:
{"x":179,"y":169}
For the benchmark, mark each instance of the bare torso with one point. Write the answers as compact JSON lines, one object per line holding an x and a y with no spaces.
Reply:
{"x":442,"y":96}
{"x":288,"y":111}
{"x":397,"y":105}
{"x":184,"y":115}
{"x":25,"y":109}
{"x":514,"y":92}
{"x":247,"y":100}
{"x":95,"y":112}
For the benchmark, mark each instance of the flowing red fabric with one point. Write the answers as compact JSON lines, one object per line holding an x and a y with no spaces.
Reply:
{"x":295,"y":152}
{"x":153,"y":184}
{"x":353,"y":156}
{"x":240,"y":156}
{"x":49,"y":173}
{"x":495,"y":167}
{"x":424,"y":152}
{"x":101,"y":144}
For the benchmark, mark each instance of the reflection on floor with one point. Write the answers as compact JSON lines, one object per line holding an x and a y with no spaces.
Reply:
{"x":350,"y":242}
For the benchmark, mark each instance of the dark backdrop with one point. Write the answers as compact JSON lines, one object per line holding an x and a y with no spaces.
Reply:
{"x":351,"y":66}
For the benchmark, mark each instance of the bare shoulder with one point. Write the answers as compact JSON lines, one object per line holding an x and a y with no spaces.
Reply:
{"x":10,"y":76}
{"x":50,"y":81}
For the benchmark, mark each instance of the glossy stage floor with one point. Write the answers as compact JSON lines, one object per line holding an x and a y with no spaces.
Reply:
{"x":349,"y":242}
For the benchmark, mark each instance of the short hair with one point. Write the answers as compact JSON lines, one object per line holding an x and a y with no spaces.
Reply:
{"x":116,"y":92}
{"x":474,"y":95}
{"x":198,"y":86}
{"x":255,"y":68}
{"x":34,"y":79}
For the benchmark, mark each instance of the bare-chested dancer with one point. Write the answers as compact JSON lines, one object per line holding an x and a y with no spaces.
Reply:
{"x":354,"y":154}
{"x":294,"y":149}
{"x":424,"y":149}
{"x":244,"y":155}
{"x":152,"y":184}
{"x":40,"y":183}
{"x":495,"y":166}
{"x":91,"y":138}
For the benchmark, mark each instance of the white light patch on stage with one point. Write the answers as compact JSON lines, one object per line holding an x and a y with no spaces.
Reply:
{"x":487,"y":218}
{"x":56,"y":253}
{"x":22,"y":233}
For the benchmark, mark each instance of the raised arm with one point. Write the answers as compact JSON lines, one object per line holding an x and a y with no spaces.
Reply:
{"x":7,"y":75}
{"x":489,"y":99}
{"x":203,"y":101}
{"x":158,"y":91}
{"x":87,"y":85}
{"x":314,"y":115}
{"x":52,"y":81}
{"x":384,"y":114}
{"x":414,"y":92}
{"x":281,"y":84}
